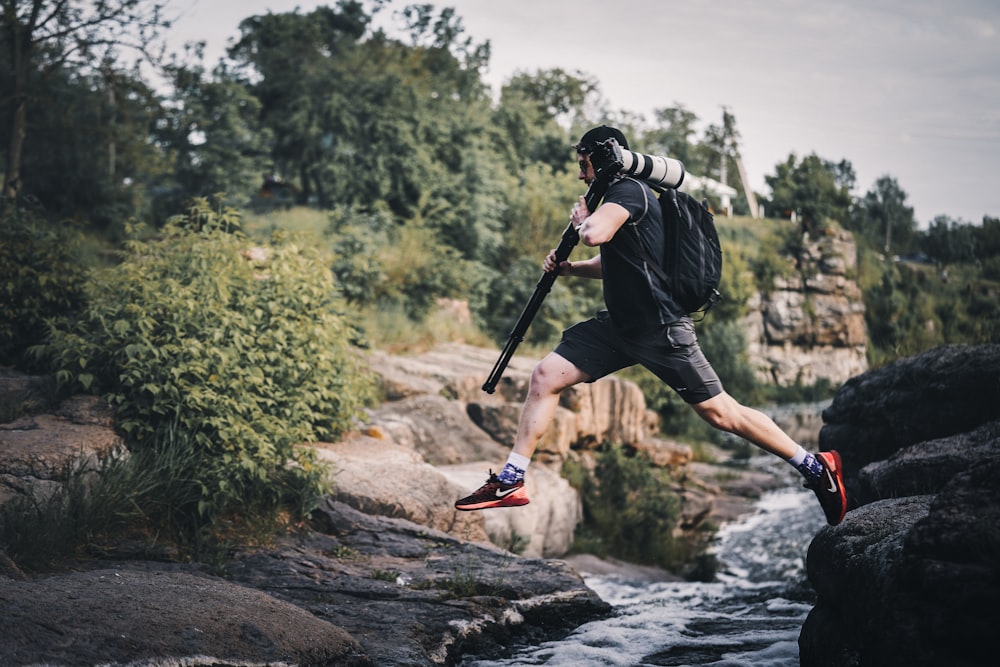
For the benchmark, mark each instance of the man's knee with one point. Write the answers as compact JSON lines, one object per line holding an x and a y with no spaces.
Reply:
{"x":553,"y":374}
{"x":721,"y":412}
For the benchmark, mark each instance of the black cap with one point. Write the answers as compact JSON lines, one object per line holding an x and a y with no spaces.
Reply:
{"x":595,"y":136}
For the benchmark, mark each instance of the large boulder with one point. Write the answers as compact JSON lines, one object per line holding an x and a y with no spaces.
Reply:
{"x":911,"y":577}
{"x":379,"y":477}
{"x":38,"y":452}
{"x":437,"y":428}
{"x":415,"y":596}
{"x":942,"y":392}
{"x":544,"y":528}
{"x":356,"y":589}
{"x":125,"y":615}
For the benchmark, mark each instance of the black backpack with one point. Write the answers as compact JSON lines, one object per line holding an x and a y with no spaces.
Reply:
{"x":691,"y":251}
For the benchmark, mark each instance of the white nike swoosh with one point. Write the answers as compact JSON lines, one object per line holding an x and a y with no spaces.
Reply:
{"x":833,"y":483}
{"x":504,"y":494}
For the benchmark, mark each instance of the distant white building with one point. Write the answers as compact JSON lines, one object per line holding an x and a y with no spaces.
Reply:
{"x":693,"y":185}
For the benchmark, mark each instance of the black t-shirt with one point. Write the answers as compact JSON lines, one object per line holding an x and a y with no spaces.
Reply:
{"x":636,"y":298}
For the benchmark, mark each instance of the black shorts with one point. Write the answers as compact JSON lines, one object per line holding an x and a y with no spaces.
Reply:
{"x":670,"y":352}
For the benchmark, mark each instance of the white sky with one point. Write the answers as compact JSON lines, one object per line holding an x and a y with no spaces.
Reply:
{"x":905,"y":88}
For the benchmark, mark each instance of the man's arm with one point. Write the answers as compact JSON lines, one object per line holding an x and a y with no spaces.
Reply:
{"x":601,"y":225}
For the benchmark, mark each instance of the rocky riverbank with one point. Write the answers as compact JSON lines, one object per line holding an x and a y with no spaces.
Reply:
{"x":388,"y":573}
{"x":912,"y":576}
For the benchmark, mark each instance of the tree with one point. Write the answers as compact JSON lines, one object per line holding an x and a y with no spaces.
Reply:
{"x":43,"y":36}
{"x":673,"y":135}
{"x":295,"y":65}
{"x":883,"y":214}
{"x":814,"y":189}
{"x":531,"y":105}
{"x":210,"y":133}
{"x":947,"y":241}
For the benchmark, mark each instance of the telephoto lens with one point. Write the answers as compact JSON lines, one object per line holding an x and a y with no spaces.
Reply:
{"x":656,"y":170}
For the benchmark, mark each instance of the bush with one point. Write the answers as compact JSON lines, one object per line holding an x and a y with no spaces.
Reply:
{"x":42,"y":281}
{"x":240,"y":353}
{"x":629,"y":511}
{"x":385,"y":265}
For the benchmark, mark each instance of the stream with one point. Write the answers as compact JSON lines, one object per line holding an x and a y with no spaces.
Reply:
{"x":751,"y":614}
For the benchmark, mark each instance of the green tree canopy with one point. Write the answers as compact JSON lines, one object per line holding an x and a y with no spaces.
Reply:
{"x":42,"y":37}
{"x":814,"y":189}
{"x":883,"y":217}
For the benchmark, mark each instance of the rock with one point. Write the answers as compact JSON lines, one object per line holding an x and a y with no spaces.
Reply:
{"x":435,"y":427}
{"x":414,"y":596}
{"x":950,"y":569}
{"x":926,"y":467}
{"x":852,"y":568}
{"x":612,"y":568}
{"x":811,"y":326}
{"x":38,"y":452}
{"x":124,"y":615}
{"x":942,"y":392}
{"x":913,"y":579}
{"x":543,"y":528}
{"x":453,"y":370}
{"x":378,"y":477}
{"x":609,"y":410}
{"x":666,"y":453}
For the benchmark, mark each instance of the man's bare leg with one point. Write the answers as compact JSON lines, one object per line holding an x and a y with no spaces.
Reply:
{"x":823,"y":471}
{"x":725,"y":413}
{"x":552,"y":374}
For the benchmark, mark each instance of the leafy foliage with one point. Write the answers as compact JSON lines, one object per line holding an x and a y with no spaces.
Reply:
{"x":41,"y":281}
{"x":814,"y":188}
{"x":884,"y":219}
{"x":629,"y":510}
{"x":242,"y":353}
{"x":917,"y":306}
{"x":386,"y":265}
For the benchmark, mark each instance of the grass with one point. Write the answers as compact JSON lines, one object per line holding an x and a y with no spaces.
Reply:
{"x":298,"y":219}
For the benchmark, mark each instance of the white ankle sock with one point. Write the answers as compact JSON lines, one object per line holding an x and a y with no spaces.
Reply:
{"x":798,"y":457}
{"x":518,"y":461}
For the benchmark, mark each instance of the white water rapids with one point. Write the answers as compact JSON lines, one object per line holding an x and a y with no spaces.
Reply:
{"x":750,"y":615}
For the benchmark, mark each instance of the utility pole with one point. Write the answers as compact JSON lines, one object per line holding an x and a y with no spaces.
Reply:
{"x":751,"y":198}
{"x":732,"y":139}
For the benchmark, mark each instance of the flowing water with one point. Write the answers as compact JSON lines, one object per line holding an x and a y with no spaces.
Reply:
{"x":750,"y":615}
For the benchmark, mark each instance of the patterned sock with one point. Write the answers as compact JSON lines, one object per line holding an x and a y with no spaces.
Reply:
{"x":811,"y":468}
{"x":513,"y":471}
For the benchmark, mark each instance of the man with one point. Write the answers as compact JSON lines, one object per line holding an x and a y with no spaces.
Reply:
{"x":641,"y":325}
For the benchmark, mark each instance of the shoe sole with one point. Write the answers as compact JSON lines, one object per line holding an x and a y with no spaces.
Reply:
{"x":513,"y":500}
{"x":838,"y":475}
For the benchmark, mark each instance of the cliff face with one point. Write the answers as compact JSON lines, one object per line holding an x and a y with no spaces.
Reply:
{"x":912,"y":575}
{"x":811,"y":326}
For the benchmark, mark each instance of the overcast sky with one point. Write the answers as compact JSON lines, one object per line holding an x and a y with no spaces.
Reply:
{"x":905,"y":88}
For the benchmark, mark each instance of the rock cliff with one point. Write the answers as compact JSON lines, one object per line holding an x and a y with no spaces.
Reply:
{"x":810,"y":326}
{"x":912,"y":575}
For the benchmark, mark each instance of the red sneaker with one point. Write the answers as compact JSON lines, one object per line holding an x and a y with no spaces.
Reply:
{"x":494,"y":493}
{"x":829,"y":488}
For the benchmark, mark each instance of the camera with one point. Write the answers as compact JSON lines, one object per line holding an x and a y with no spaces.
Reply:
{"x":659,"y":172}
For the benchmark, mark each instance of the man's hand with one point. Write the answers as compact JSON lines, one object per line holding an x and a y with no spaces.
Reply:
{"x":549,"y":264}
{"x":580,"y":213}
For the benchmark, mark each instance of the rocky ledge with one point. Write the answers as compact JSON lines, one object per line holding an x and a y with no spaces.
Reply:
{"x":388,"y":573}
{"x":912,"y":575}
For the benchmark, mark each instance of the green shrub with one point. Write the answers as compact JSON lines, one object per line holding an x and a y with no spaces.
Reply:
{"x":385,"y":265}
{"x":242,"y":354}
{"x":40,"y":280}
{"x":630,"y":511}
